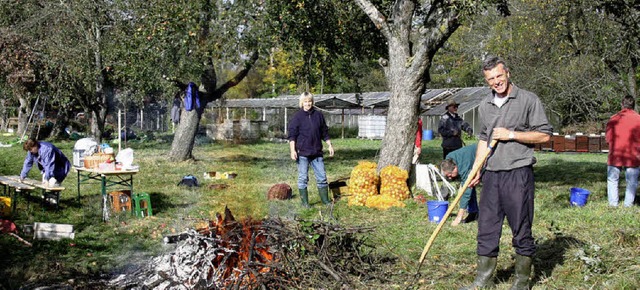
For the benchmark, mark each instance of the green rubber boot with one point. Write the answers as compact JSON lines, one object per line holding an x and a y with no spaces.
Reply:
{"x":486,"y":266}
{"x":523,"y":271}
{"x":324,"y":194}
{"x":304,"y":196}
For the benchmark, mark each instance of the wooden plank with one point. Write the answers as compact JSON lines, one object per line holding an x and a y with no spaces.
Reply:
{"x":36,"y":183}
{"x":15,"y":184}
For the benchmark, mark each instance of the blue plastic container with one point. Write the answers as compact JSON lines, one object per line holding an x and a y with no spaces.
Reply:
{"x":427,"y":134}
{"x":579,"y":196}
{"x":436,"y":210}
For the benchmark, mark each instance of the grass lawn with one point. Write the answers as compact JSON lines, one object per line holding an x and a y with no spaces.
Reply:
{"x":594,"y":247}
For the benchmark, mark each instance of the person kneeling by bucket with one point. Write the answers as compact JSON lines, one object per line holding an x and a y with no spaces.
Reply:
{"x":458,"y":164}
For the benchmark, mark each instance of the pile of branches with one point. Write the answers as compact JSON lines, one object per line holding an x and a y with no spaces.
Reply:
{"x":268,"y":254}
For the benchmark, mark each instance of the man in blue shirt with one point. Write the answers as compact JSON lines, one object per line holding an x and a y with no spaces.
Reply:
{"x":52,"y":163}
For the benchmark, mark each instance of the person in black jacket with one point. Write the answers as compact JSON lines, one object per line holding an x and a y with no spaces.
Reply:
{"x":450,"y":128}
{"x":307,"y":129}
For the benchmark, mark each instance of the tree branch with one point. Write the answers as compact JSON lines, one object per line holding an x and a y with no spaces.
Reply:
{"x":235,"y":80}
{"x":378,"y":19}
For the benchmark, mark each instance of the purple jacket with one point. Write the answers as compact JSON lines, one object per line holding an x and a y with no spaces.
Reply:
{"x":308,"y":129}
{"x":51,"y":161}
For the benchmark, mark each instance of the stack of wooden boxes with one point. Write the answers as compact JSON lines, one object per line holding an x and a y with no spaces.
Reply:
{"x":582,"y":143}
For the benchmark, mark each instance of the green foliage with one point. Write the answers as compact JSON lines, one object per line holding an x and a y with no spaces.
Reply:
{"x":327,"y":36}
{"x":562,"y":51}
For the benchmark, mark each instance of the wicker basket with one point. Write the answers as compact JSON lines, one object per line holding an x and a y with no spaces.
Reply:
{"x":94,"y":160}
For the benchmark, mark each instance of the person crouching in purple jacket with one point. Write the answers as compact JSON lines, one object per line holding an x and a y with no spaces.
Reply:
{"x":307,"y":129}
{"x":52,"y":163}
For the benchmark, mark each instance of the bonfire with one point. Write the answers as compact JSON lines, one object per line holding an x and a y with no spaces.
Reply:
{"x":252,"y":254}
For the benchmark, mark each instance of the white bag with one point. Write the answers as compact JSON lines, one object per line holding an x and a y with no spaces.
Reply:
{"x":125,"y":157}
{"x":423,"y":178}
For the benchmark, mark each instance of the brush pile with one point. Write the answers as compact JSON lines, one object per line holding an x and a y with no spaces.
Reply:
{"x":268,"y":254}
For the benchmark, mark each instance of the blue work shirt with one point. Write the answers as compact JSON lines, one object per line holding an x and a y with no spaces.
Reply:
{"x":51,"y":162}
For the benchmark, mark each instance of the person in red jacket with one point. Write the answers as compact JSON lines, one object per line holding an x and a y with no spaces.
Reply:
{"x":417,"y":149}
{"x":623,"y":136}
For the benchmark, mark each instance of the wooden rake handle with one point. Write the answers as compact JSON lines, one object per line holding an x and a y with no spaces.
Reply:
{"x":453,"y":204}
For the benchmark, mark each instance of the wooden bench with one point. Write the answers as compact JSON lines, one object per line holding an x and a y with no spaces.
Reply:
{"x":12,"y":123}
{"x":27,"y":185}
{"x":16,"y":187}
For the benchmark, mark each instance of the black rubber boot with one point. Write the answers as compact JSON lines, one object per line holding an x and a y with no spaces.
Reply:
{"x":523,"y":271}
{"x":304,"y":196}
{"x":484,"y":278}
{"x":472,"y":216}
{"x":324,"y":194}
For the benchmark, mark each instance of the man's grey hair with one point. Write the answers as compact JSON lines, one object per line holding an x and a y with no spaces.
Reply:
{"x":447,"y":165}
{"x":493,"y":61}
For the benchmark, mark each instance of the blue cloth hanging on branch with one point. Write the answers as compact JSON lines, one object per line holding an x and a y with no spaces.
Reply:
{"x":191,"y":98}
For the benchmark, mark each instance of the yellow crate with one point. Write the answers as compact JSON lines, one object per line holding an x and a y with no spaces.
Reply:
{"x":5,"y":206}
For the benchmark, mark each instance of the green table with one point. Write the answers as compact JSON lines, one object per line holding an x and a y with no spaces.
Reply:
{"x":107,"y":178}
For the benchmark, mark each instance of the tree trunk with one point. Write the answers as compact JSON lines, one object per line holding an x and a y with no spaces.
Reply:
{"x":408,"y":67}
{"x":62,"y":121}
{"x":185,"y":136}
{"x":98,"y":118}
{"x":633,"y":80}
{"x":23,"y":115}
{"x":402,"y":115}
{"x":99,"y":114}
{"x":183,"y":141}
{"x":4,"y":119}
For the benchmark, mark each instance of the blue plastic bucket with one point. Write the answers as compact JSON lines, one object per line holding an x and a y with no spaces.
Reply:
{"x":427,"y":134}
{"x":579,"y":196}
{"x":436,"y":210}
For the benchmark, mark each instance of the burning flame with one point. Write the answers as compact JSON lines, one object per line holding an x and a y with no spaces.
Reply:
{"x":246,"y":241}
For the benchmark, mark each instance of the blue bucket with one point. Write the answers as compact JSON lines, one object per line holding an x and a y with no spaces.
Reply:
{"x":437,"y":209}
{"x":579,"y":196}
{"x":427,"y":134}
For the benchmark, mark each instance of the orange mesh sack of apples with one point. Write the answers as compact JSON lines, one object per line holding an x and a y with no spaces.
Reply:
{"x":363,"y":183}
{"x":381,"y":201}
{"x":393,"y":182}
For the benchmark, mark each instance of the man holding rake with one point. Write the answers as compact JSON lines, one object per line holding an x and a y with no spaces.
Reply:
{"x":516,"y":119}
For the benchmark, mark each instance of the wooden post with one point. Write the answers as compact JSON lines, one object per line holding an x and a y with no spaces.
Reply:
{"x":342,"y":123}
{"x":285,"y":120}
{"x":119,"y":129}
